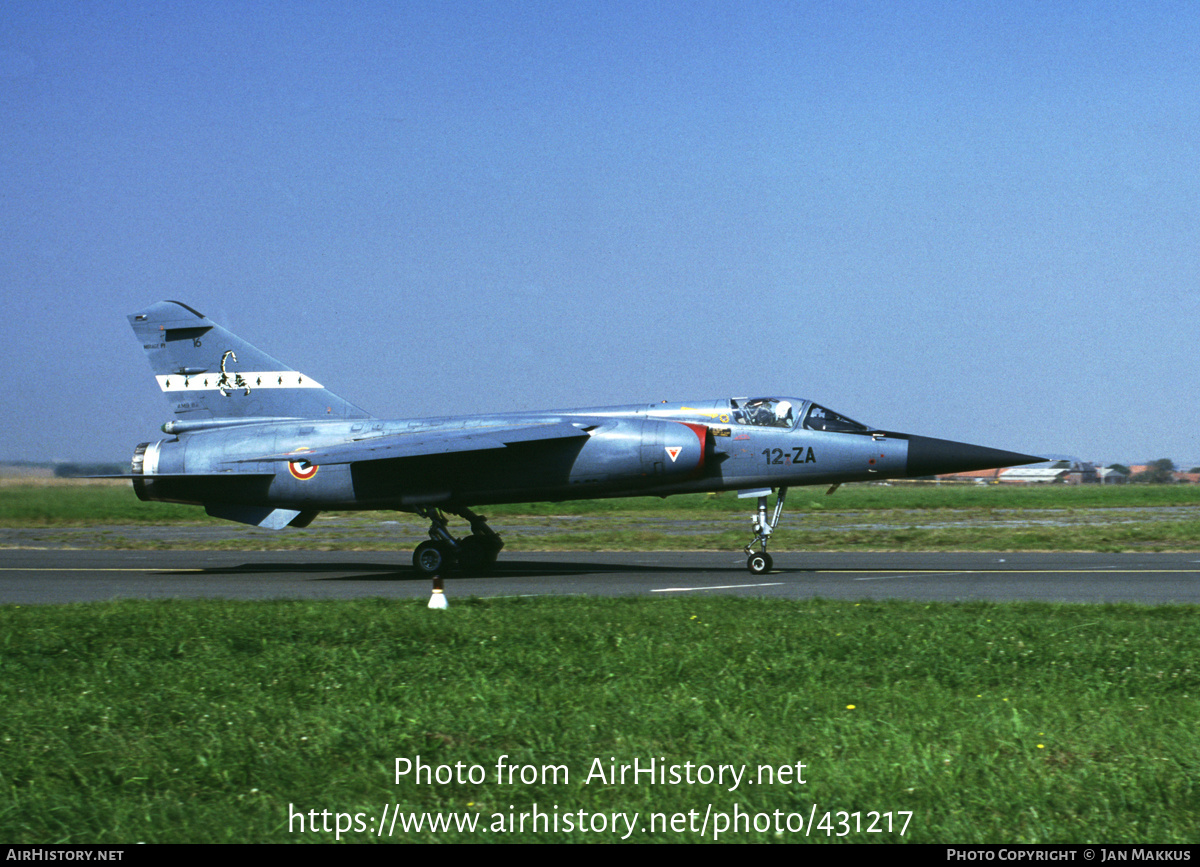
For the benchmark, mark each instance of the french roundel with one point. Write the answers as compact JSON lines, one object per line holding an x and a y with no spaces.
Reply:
{"x":302,"y":470}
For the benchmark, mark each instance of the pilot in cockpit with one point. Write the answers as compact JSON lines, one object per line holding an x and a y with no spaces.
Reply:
{"x":766,"y":412}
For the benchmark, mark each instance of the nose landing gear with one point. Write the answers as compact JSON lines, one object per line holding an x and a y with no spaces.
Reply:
{"x":760,"y":563}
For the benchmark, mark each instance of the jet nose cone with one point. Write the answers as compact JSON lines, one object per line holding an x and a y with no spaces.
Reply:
{"x":931,"y":457}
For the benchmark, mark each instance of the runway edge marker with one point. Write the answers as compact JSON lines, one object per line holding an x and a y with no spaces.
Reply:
{"x":437,"y":600}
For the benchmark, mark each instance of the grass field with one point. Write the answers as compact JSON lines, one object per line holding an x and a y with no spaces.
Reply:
{"x":61,"y":501}
{"x":857,"y":517}
{"x":217,"y":721}
{"x":206,"y":721}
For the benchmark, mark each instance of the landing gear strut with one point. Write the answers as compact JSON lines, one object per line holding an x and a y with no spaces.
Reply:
{"x":474,"y":553}
{"x":761,"y":562}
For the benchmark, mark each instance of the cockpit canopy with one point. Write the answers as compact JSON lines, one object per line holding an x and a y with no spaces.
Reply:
{"x":782,"y":412}
{"x":820,"y":418}
{"x":763,"y":411}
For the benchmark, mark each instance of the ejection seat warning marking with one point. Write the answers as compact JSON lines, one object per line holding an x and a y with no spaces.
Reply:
{"x":673,"y":452}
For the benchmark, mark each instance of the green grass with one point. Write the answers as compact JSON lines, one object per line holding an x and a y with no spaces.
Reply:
{"x":207,"y":721}
{"x":856,"y":518}
{"x":32,"y":505}
{"x":75,"y":505}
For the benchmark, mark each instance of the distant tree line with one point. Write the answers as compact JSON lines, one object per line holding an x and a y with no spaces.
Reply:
{"x":1156,"y":473}
{"x":69,"y":471}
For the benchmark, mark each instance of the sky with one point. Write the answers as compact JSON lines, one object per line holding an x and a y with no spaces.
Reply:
{"x":975,"y":221}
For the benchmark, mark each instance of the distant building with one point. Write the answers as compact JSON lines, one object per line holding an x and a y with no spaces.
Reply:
{"x":982,"y":477}
{"x":1058,"y":472}
{"x":1082,"y":473}
{"x":1177,"y":478}
{"x":1061,"y":473}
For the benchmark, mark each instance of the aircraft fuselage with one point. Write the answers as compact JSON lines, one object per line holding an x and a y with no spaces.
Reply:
{"x":258,"y":442}
{"x":640,"y":450}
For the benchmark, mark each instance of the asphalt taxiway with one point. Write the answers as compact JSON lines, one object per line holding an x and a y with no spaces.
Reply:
{"x":32,"y":577}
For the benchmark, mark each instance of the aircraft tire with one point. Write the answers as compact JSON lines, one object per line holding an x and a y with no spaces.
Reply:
{"x":476,"y":554}
{"x":432,"y":558}
{"x":760,"y":564}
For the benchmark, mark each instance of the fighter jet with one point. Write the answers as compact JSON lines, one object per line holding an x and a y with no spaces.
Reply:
{"x":257,"y":442}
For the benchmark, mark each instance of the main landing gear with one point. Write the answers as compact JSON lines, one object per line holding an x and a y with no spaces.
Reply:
{"x":761,"y":562}
{"x":474,"y":553}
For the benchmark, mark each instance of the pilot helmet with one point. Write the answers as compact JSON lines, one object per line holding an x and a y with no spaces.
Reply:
{"x":783,"y":411}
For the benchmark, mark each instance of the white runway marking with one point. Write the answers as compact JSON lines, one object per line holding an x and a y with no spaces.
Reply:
{"x":910,"y":575}
{"x":713,"y":587}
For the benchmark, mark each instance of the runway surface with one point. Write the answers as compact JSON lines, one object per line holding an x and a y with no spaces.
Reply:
{"x":29,"y":577}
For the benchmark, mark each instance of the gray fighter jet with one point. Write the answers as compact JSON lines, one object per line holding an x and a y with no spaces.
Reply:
{"x":257,"y":442}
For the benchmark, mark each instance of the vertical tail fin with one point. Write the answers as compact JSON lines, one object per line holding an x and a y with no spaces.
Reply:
{"x":207,"y":372}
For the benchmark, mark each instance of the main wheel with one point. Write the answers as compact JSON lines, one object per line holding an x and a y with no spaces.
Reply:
{"x":432,"y":558}
{"x":759,"y":564}
{"x":477,"y":554}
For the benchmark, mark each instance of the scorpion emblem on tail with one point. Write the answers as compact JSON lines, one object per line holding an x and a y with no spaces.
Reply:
{"x":224,"y":382}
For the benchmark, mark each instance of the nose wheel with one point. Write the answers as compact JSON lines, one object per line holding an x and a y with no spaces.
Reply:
{"x":760,"y":562}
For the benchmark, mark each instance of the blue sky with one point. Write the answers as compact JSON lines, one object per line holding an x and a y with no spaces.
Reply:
{"x":976,"y":221}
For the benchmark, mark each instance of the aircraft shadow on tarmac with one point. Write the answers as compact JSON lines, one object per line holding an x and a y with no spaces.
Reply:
{"x":508,"y":569}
